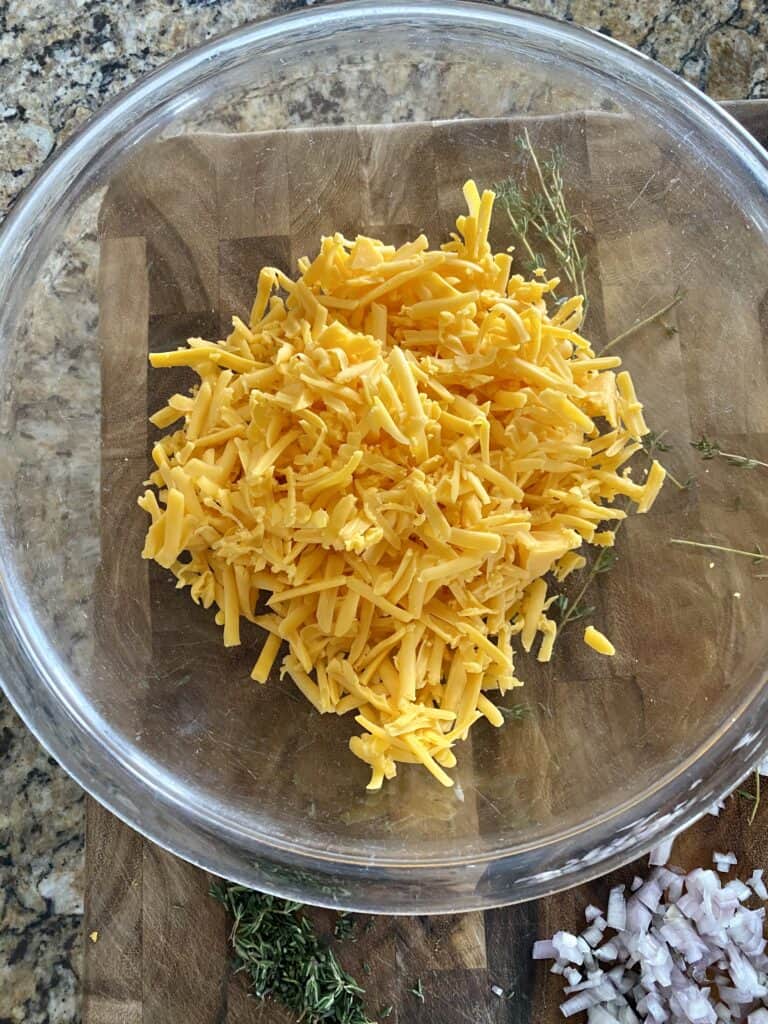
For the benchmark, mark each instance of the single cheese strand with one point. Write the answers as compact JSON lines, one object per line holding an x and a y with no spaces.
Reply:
{"x":598,"y":641}
{"x":398,"y":449}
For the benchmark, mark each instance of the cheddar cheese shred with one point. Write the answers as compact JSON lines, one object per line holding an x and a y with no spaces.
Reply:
{"x":383,"y":467}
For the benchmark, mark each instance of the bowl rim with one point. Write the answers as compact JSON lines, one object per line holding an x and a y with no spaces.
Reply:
{"x":20,"y":233}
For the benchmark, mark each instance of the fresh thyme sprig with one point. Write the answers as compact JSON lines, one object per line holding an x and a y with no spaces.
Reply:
{"x":711,"y":449}
{"x":541,"y":213}
{"x":678,"y":297}
{"x":756,"y":555}
{"x":653,"y":443}
{"x":604,"y":562}
{"x":284,"y":958}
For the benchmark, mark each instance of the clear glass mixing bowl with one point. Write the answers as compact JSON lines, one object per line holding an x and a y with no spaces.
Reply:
{"x":125,"y":240}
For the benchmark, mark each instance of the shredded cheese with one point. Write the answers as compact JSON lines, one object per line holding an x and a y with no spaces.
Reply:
{"x":598,"y":641}
{"x":388,"y":460}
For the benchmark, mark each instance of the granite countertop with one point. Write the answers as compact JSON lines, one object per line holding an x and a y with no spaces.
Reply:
{"x":59,"y":61}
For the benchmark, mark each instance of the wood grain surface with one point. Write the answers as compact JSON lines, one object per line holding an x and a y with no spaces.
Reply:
{"x":160,"y":955}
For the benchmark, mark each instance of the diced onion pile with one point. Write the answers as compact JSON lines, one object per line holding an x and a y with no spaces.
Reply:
{"x":395,"y":452}
{"x":678,"y":949}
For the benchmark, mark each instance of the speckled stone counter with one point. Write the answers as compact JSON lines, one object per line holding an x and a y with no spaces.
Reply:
{"x":59,"y":61}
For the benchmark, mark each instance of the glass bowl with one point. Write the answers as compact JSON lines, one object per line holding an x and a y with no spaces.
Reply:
{"x":150,"y":225}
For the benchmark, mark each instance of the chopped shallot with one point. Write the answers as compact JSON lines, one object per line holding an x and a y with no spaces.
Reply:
{"x":724,"y":861}
{"x":682,"y":949}
{"x":660,"y":854}
{"x":755,"y":882}
{"x":544,"y":949}
{"x":617,"y":908}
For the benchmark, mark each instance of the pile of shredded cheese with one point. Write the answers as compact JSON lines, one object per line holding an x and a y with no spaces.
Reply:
{"x":396,"y":450}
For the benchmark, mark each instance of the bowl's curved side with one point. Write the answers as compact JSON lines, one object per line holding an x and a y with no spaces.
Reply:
{"x":43,"y":688}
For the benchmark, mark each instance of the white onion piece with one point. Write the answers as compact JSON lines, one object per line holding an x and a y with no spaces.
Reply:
{"x":655,"y":961}
{"x":581,"y":1001}
{"x":652,"y":1007}
{"x":694,"y":1004}
{"x":739,"y":889}
{"x":745,"y":976}
{"x":649,"y":893}
{"x":724,"y":861}
{"x":623,"y":979}
{"x":682,"y":936}
{"x":755,"y":882}
{"x":599,"y":1015}
{"x":593,"y":980}
{"x":638,"y":916}
{"x":660,"y":854}
{"x":617,"y":908}
{"x":608,"y":951}
{"x":593,"y":935}
{"x":572,"y":975}
{"x":544,"y":949}
{"x":675,"y":888}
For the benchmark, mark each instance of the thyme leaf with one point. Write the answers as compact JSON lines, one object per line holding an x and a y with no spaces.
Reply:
{"x":653,"y":442}
{"x":517,"y":712}
{"x":344,"y":928}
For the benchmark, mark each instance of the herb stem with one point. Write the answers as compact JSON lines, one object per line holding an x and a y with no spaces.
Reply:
{"x":709,"y":449}
{"x":678,"y":297}
{"x":756,"y":556}
{"x":600,"y":564}
{"x":537,"y":166}
{"x":575,"y":603}
{"x":743,"y":460}
{"x":673,"y":480}
{"x":520,"y":232}
{"x":542,"y":211}
{"x":753,"y":815}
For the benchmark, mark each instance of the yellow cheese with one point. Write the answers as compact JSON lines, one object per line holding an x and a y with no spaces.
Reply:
{"x":598,"y":641}
{"x":398,"y":449}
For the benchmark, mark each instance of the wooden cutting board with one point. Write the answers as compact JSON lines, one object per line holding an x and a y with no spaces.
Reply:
{"x":161,"y":953}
